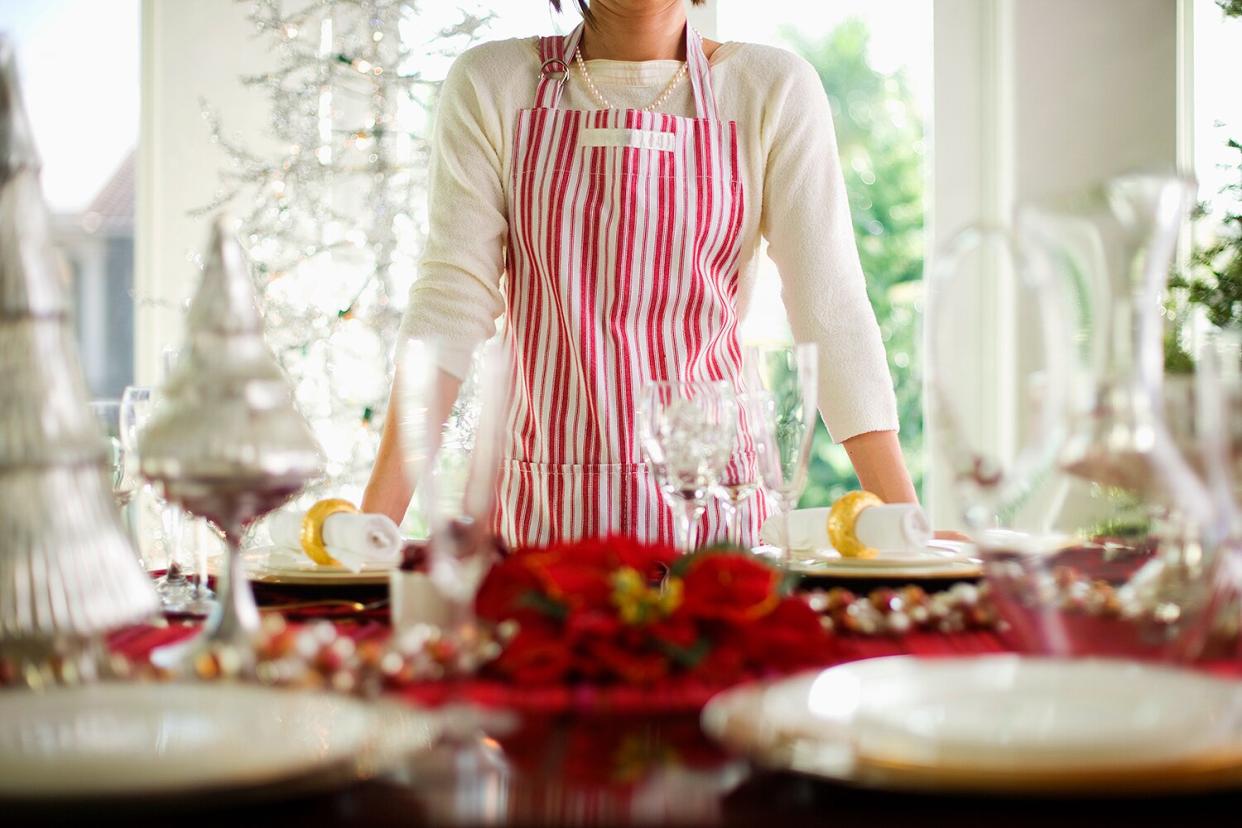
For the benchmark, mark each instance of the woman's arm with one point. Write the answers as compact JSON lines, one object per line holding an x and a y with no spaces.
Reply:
{"x":881,"y":469}
{"x":456,"y":298}
{"x":388,"y":490}
{"x":806,"y":220}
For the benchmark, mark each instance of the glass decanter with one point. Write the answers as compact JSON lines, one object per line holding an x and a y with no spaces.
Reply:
{"x":1077,"y":290}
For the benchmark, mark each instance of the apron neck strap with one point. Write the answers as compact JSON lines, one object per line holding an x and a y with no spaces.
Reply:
{"x":557,"y":53}
{"x":700,"y":72}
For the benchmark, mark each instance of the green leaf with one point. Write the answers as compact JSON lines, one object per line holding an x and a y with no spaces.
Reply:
{"x":687,"y":657}
{"x":542,"y":603}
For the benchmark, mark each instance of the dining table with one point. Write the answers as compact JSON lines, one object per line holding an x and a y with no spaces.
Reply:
{"x":549,"y":756}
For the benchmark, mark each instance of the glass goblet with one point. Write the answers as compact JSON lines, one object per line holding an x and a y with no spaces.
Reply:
{"x":740,"y":478}
{"x":687,"y":431}
{"x":124,"y":484}
{"x":786,"y":378}
{"x":188,"y":538}
{"x":450,"y":429}
{"x":175,"y":590}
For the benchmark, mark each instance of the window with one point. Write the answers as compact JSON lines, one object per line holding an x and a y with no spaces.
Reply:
{"x":874,"y":57}
{"x":79,"y":68}
{"x":1217,"y":108}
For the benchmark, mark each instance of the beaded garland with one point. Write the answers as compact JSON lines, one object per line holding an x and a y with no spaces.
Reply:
{"x":895,"y":611}
{"x":319,"y":655}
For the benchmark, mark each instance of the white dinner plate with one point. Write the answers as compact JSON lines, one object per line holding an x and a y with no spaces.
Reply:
{"x":277,"y":565}
{"x":1000,"y":723}
{"x":155,"y":740}
{"x":938,"y":560}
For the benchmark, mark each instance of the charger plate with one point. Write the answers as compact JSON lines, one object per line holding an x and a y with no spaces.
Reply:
{"x":152,"y":741}
{"x":949,"y":560}
{"x":993,"y":724}
{"x":277,"y":565}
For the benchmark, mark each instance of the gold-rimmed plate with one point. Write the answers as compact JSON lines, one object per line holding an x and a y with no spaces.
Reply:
{"x":155,"y":741}
{"x":939,"y":560}
{"x":993,"y":724}
{"x":276,"y":565}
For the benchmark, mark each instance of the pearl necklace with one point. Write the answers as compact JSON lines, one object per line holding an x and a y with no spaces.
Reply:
{"x":607,"y":104}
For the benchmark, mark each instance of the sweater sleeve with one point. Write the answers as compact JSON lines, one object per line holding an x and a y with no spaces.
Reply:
{"x":806,"y":221}
{"x":456,"y":297}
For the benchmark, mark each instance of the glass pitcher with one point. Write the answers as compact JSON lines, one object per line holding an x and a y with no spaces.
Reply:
{"x":1069,"y":505}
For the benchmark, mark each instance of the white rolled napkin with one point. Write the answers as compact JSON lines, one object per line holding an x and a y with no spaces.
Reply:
{"x":893,"y":528}
{"x":808,"y":530}
{"x":354,"y":540}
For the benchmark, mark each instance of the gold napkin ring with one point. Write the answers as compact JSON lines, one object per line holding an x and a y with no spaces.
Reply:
{"x":841,"y":519}
{"x":312,"y":528}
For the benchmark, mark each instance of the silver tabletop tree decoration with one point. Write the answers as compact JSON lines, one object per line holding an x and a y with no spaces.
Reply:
{"x":68,"y":571}
{"x":227,"y":443}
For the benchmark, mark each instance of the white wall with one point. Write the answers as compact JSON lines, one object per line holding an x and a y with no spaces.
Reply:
{"x":1035,"y":98}
{"x":192,"y":49}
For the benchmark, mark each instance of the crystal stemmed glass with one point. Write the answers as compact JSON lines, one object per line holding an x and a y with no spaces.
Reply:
{"x":175,"y":590}
{"x":450,"y":435}
{"x":687,"y":430}
{"x":452,"y":409}
{"x":785,"y":379}
{"x":202,"y":600}
{"x":108,"y":415}
{"x":740,"y":478}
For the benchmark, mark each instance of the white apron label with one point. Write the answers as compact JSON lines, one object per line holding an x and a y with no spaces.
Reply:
{"x":638,"y":138}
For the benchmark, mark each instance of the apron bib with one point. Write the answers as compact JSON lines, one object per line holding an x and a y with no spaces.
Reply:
{"x":621,"y":269}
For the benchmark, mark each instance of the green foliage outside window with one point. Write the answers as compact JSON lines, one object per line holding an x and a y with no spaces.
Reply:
{"x":1212,"y":281}
{"x":880,"y":137}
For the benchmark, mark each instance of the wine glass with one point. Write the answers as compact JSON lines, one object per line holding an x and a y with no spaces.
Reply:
{"x":452,"y":408}
{"x":450,"y":428}
{"x":740,"y":478}
{"x":175,"y":590}
{"x":202,"y":599}
{"x":687,"y":430}
{"x":108,"y":415}
{"x":785,"y":377}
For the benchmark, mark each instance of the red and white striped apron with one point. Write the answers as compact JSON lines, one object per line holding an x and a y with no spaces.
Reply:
{"x":622,"y":269}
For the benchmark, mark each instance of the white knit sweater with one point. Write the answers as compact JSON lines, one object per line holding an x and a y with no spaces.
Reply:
{"x":793,"y":188}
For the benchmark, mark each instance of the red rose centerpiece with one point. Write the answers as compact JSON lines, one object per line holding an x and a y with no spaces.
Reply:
{"x":617,"y":611}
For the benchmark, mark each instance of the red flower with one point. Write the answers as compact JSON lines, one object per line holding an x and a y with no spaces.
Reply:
{"x":506,"y":590}
{"x":725,"y":663}
{"x":652,"y":560}
{"x":730,"y":587}
{"x":789,"y":638}
{"x":630,"y":661}
{"x":571,"y":578}
{"x":536,"y":655}
{"x":677,"y":630}
{"x":724,"y":620}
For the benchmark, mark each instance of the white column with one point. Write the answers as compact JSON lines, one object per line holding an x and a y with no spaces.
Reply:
{"x":191,"y":49}
{"x":1035,"y":98}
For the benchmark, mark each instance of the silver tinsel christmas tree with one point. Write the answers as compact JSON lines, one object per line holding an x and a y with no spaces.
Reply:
{"x":68,"y":572}
{"x":332,"y":224}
